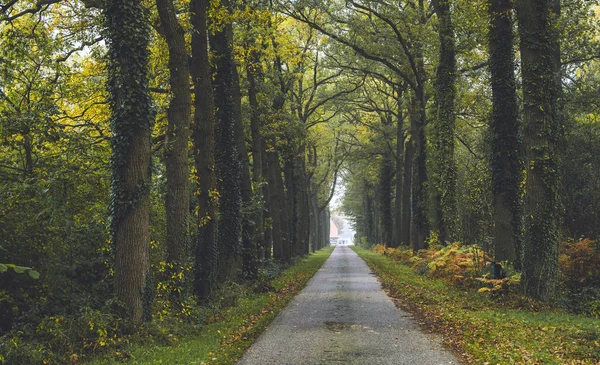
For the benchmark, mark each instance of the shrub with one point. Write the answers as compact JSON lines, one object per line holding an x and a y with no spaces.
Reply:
{"x":579,"y":264}
{"x":459,"y":264}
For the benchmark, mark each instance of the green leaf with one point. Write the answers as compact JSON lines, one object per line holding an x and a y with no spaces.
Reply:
{"x":3,"y":268}
{"x":19,"y":269}
{"x":34,"y":274}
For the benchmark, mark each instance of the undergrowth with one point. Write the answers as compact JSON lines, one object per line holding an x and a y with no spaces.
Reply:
{"x":483,"y":329}
{"x":231,"y":324}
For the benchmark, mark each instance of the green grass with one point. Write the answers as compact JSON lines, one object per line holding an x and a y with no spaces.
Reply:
{"x":485,"y":330}
{"x":224,"y":340}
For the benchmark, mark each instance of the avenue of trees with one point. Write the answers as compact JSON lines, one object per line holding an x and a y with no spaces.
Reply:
{"x":153,"y":152}
{"x":471,"y":125}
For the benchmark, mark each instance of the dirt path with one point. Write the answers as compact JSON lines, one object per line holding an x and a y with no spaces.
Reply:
{"x":344,"y":317}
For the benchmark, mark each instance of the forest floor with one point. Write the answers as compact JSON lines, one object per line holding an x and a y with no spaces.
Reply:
{"x":344,"y":317}
{"x":227,"y":335}
{"x":484,"y":330}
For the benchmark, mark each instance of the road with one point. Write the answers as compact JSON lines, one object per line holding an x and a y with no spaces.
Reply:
{"x":344,"y":317}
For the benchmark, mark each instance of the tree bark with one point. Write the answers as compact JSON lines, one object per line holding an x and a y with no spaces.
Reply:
{"x":268,"y":208}
{"x":406,"y":194}
{"x":385,"y":199}
{"x":504,"y":131}
{"x":178,"y":135}
{"x":289,"y":172}
{"x":303,"y":222}
{"x":227,"y":165}
{"x":131,"y":120}
{"x":278,"y":208}
{"x":249,"y":251}
{"x":442,"y":174}
{"x":206,"y":249}
{"x":419,"y":229}
{"x":400,"y":138}
{"x":540,"y":63}
{"x":254,"y":79}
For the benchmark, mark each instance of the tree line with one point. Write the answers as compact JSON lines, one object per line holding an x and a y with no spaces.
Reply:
{"x":153,"y":151}
{"x":167,"y":144}
{"x":468,"y":123}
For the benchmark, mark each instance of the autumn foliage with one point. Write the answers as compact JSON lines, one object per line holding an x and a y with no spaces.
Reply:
{"x":469,"y":267}
{"x":579,"y":263}
{"x":456,"y":263}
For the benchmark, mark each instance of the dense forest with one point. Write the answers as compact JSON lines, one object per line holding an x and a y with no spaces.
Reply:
{"x":156,"y":155}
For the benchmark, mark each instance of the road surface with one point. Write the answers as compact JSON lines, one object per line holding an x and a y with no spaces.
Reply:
{"x":344,"y":317}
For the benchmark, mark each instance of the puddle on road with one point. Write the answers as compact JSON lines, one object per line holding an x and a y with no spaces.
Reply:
{"x":337,"y":326}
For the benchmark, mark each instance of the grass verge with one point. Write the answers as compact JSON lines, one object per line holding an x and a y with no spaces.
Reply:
{"x":482,"y":330}
{"x":224,"y":340}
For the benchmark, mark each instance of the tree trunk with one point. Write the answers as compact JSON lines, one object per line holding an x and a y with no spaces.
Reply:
{"x":178,"y":134}
{"x":406,"y":194}
{"x":303,"y":222}
{"x":385,"y":199}
{"x":314,"y":218}
{"x":227,"y":165}
{"x":540,"y":63}
{"x":206,"y":249}
{"x":249,"y":251}
{"x":418,"y":120}
{"x":442,"y":174}
{"x":400,"y":138}
{"x":278,"y":208}
{"x":419,"y":229}
{"x":291,"y":204}
{"x":268,"y":216}
{"x":504,"y":131}
{"x":131,"y":122}
{"x":254,"y":78}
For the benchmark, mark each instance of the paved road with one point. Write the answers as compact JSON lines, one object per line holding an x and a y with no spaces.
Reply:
{"x":344,"y":317}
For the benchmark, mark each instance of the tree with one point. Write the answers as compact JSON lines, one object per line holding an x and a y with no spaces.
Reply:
{"x":540,"y":62}
{"x":227,"y":164}
{"x":206,"y":249}
{"x":505,"y":155}
{"x":127,"y":31}
{"x":178,"y":135}
{"x":442,"y":168}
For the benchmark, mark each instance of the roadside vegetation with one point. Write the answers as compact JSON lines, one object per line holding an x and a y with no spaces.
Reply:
{"x":443,"y":289}
{"x":217,"y":333}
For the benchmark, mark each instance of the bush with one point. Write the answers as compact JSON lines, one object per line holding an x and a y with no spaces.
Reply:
{"x":579,"y":264}
{"x":62,"y":339}
{"x":461,"y":265}
{"x":401,"y":254}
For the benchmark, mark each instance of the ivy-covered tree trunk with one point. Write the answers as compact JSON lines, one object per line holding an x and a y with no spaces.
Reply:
{"x":127,"y":31}
{"x":442,"y":167}
{"x":254,"y":77}
{"x":178,"y":135}
{"x":249,"y":251}
{"x":267,"y":212}
{"x":385,"y":199}
{"x":540,"y":63}
{"x":504,"y":135}
{"x":418,"y":120}
{"x":278,"y":207}
{"x":227,"y":165}
{"x":400,"y":138}
{"x":405,"y":233}
{"x":206,"y":249}
{"x":419,"y":228}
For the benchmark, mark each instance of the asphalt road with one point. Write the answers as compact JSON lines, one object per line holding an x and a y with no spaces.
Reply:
{"x":344,"y":317}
